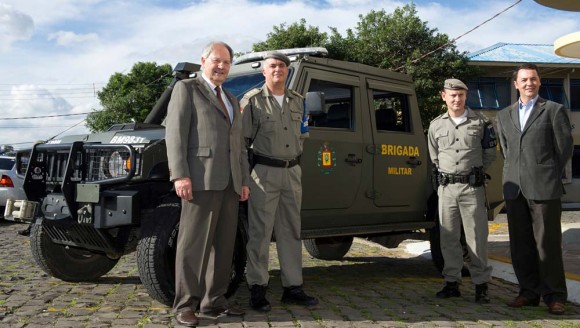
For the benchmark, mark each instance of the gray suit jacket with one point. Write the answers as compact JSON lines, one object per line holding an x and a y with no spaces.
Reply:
{"x":201,"y":142}
{"x":535,"y":157}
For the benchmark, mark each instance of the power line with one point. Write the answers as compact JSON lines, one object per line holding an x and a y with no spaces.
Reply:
{"x":44,"y":116}
{"x":457,"y":38}
{"x":47,"y":98}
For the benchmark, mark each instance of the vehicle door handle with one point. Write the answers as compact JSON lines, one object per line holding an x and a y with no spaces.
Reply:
{"x":351,"y":158}
{"x":413,"y":161}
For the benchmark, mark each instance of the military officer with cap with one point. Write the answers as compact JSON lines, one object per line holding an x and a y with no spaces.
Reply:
{"x":275,"y":126}
{"x":462,"y":146}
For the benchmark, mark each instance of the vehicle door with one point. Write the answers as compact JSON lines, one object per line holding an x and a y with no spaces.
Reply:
{"x":399,"y":146}
{"x":331,"y":161}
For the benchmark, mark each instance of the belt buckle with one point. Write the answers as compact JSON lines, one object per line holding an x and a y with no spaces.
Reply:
{"x":286,"y":163}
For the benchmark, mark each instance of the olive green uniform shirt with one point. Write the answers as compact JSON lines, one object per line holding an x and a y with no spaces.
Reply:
{"x":455,"y":149}
{"x":273,"y":131}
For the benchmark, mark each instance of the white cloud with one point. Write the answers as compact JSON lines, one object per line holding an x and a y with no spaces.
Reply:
{"x":31,"y":113}
{"x":86,"y":41}
{"x":67,"y":38}
{"x":14,"y":25}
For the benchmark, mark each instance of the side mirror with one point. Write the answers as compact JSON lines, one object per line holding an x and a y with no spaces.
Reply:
{"x":315,"y":103}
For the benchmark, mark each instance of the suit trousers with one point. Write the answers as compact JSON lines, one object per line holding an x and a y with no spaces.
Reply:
{"x":275,"y":206}
{"x":535,"y":231}
{"x":463,"y":205}
{"x":207,"y":233}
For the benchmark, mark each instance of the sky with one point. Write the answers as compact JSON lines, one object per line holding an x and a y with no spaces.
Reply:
{"x":56,"y":55}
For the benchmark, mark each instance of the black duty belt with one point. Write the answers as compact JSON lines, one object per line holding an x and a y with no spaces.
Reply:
{"x":455,"y":178}
{"x":276,"y":162}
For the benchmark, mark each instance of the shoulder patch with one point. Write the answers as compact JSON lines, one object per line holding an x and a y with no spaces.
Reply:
{"x":436,"y":118}
{"x":296,"y":94}
{"x":252,"y":93}
{"x":481,"y":116}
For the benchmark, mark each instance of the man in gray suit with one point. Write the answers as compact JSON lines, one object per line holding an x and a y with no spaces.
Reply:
{"x":536,"y":142}
{"x":209,"y":168}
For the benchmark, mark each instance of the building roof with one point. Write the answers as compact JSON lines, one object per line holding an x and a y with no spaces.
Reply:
{"x":520,"y":52}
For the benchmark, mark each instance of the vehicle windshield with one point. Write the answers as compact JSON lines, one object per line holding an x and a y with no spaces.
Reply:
{"x":240,"y":84}
{"x":6,"y":163}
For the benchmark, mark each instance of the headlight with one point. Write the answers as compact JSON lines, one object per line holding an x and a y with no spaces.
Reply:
{"x":116,"y":165}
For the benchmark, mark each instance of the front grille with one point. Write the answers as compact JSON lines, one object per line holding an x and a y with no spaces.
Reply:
{"x":88,"y":163}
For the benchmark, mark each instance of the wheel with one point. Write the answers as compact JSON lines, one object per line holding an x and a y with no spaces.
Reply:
{"x":67,"y":263}
{"x":330,"y":248}
{"x":156,"y":253}
{"x":437,"y":255}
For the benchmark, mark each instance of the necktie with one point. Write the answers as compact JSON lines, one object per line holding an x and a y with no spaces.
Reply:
{"x":218,"y":91}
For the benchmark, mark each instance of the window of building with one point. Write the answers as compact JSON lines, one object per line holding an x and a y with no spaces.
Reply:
{"x":488,"y":93}
{"x":575,"y":95}
{"x":553,"y":89}
{"x":338,"y":111}
{"x":391,"y":111}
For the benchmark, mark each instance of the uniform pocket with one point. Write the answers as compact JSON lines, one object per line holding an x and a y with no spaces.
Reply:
{"x":442,"y":138}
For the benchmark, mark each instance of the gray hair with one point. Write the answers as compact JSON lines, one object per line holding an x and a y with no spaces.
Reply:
{"x":209,"y":48}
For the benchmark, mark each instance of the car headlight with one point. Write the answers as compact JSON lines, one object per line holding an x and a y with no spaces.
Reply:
{"x":116,"y":165}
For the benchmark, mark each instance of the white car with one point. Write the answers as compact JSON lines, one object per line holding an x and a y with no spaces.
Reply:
{"x":10,"y":182}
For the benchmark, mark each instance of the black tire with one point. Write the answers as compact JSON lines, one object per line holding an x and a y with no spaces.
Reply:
{"x":67,"y":263}
{"x":156,"y":253}
{"x":330,"y":248}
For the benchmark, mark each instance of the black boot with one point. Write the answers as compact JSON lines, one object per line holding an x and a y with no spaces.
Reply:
{"x":451,"y":289}
{"x":481,"y":295}
{"x":258,"y":299}
{"x":296,"y":295}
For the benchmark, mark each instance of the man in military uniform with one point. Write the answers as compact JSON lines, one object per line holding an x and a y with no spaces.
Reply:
{"x":462,"y":145}
{"x":275,"y":127}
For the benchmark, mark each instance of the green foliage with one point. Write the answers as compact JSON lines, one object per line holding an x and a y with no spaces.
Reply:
{"x":130,"y":97}
{"x":296,"y":35}
{"x":396,"y":41}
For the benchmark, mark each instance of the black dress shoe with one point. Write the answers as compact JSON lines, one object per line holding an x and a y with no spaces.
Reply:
{"x":187,"y":318}
{"x":296,"y":295}
{"x":451,"y":289}
{"x":258,"y":300}
{"x":230,"y":310}
{"x":481,"y":295}
{"x":520,"y":301}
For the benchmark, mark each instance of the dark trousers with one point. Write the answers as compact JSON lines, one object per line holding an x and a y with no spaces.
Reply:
{"x":536,"y":247}
{"x":203,"y":259}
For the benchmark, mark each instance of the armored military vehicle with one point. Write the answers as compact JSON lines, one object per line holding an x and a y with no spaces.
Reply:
{"x":366,"y":173}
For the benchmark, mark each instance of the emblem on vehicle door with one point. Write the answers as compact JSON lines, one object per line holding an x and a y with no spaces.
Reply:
{"x":326,"y":159}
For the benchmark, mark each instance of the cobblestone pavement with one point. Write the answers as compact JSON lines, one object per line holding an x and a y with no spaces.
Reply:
{"x":371,"y":287}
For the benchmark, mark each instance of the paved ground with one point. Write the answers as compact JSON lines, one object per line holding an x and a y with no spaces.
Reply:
{"x":371,"y":287}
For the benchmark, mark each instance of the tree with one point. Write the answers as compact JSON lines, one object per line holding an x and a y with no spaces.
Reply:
{"x":130,"y":97}
{"x":297,"y":35}
{"x":396,"y":41}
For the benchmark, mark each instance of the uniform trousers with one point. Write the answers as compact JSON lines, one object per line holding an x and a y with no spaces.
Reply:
{"x":275,"y":206}
{"x":536,"y":247}
{"x":203,"y":260}
{"x":463,"y":205}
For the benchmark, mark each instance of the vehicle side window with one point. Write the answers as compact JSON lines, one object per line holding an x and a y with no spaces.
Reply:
{"x":6,"y":163}
{"x":391,"y":111}
{"x":338,"y":107}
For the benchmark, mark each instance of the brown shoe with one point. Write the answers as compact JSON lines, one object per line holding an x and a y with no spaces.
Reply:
{"x":520,"y":301}
{"x":187,"y":318}
{"x":229,"y":310}
{"x":556,"y":308}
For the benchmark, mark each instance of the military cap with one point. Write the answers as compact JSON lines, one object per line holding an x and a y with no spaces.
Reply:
{"x":454,"y":84}
{"x":277,"y":55}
